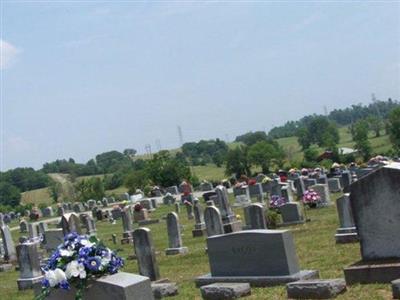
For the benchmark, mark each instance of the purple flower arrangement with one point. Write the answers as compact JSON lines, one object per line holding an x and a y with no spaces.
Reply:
{"x":310,"y":196}
{"x":276,"y":201}
{"x":78,"y":259}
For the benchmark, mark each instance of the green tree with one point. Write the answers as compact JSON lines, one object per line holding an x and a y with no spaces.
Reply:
{"x":375,"y":124}
{"x":109,"y":162}
{"x":165,"y":170}
{"x":360,"y":137}
{"x":136,"y":180}
{"x":250,"y":138}
{"x":130,"y":152}
{"x":394,"y":129}
{"x":91,"y":188}
{"x":9,"y":194}
{"x":311,"y":154}
{"x":265,"y":153}
{"x":236,"y":162}
{"x":318,"y":130}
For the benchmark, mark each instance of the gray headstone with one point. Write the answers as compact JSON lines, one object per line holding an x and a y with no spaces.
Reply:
{"x":29,"y":265}
{"x":48,"y":212}
{"x":213,"y":220}
{"x":376,"y":209}
{"x":189,"y":211}
{"x":253,"y":253}
{"x":145,"y":253}
{"x":172,"y":190}
{"x":91,"y":203}
{"x":23,"y":226}
{"x":52,"y":238}
{"x":222,"y":202}
{"x":70,"y":223}
{"x":255,"y":216}
{"x":174,"y":235}
{"x":344,"y":211}
{"x":291,"y":213}
{"x":126,"y":216}
{"x":8,"y":244}
{"x":60,"y":211}
{"x":33,"y":230}
{"x":323,"y":192}
{"x":334,"y":185}
{"x":42,"y":227}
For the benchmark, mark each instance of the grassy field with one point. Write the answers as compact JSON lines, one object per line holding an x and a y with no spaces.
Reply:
{"x":293,"y":150}
{"x":209,"y":172}
{"x":36,"y":196}
{"x":314,"y":241}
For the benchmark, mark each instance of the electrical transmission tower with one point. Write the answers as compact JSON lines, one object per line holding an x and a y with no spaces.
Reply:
{"x":148,"y":149}
{"x":180,"y":135}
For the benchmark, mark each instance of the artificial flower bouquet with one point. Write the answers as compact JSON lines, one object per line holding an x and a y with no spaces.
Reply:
{"x":76,"y":261}
{"x":311,"y":197}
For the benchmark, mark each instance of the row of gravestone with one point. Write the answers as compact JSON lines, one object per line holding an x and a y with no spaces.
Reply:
{"x":248,"y":249}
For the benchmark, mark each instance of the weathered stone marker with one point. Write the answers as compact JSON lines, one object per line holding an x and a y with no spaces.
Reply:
{"x":145,"y":253}
{"x":174,"y":236}
{"x":70,"y":223}
{"x":213,"y":221}
{"x":255,"y":216}
{"x":29,"y":266}
{"x":10,"y":254}
{"x":200,"y":226}
{"x":126,"y":216}
{"x":347,"y":232}
{"x":375,"y":205}
{"x":315,"y":289}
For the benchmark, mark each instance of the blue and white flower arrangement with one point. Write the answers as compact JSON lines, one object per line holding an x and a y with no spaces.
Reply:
{"x":76,"y":261}
{"x":276,"y":201}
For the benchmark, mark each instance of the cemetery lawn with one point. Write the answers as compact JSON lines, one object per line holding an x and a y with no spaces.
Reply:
{"x":314,"y":241}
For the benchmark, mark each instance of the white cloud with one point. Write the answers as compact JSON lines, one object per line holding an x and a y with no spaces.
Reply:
{"x":8,"y":54}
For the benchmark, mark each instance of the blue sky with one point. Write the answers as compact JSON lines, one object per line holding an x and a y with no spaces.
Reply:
{"x":81,"y":78}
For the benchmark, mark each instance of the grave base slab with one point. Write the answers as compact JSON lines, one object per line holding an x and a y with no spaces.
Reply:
{"x":232,"y":226}
{"x":315,"y":289}
{"x":148,"y":222}
{"x":5,"y":267}
{"x":291,"y":223}
{"x":258,"y":281}
{"x":199,"y":232}
{"x":344,"y":238}
{"x":28,"y":283}
{"x":164,"y":288}
{"x":176,"y":251}
{"x":366,"y":272}
{"x":226,"y":291}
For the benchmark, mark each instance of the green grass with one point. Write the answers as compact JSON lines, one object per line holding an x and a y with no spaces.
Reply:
{"x":209,"y":172}
{"x":314,"y":241}
{"x":293,"y":150}
{"x":36,"y":197}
